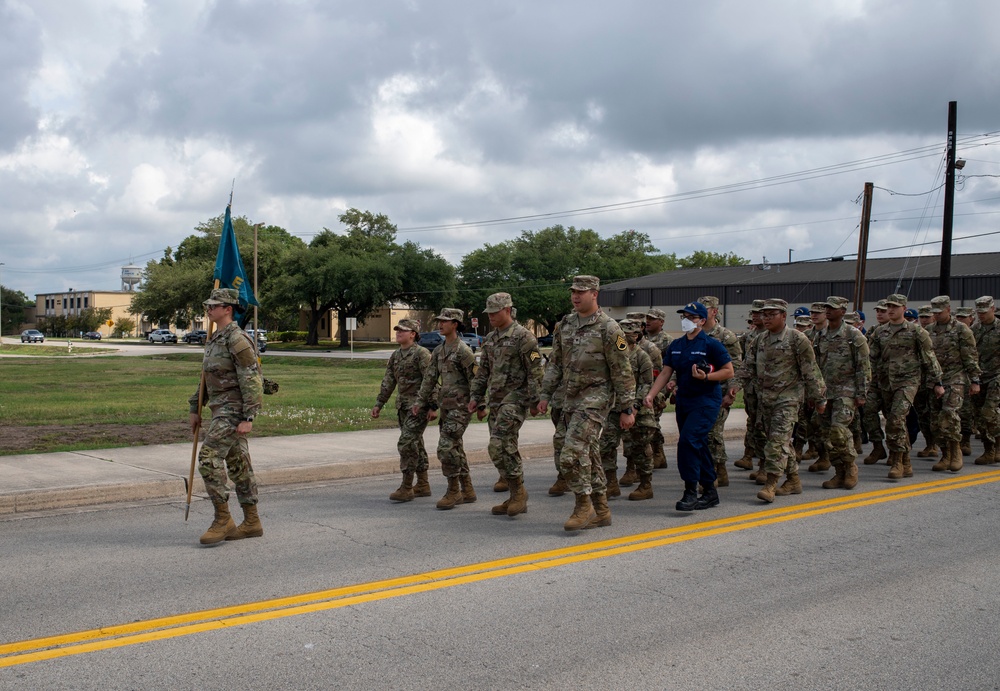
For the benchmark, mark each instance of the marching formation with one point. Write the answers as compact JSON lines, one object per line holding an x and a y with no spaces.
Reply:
{"x":813,"y":390}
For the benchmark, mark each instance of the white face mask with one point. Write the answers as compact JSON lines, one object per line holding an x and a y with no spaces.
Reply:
{"x":687,"y":326}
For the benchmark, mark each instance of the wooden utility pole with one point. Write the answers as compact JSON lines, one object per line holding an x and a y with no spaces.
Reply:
{"x":944,"y":287}
{"x":862,"y":265}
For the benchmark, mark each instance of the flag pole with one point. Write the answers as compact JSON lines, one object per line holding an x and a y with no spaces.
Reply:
{"x":201,"y":403}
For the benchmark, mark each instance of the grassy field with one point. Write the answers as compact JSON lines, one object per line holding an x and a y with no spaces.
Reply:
{"x":49,"y":404}
{"x":40,"y":350}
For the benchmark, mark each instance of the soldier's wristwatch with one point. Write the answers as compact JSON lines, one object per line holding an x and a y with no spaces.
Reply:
{"x":248,"y":419}
{"x":628,"y":411}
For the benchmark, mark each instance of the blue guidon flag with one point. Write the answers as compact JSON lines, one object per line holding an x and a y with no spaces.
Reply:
{"x":229,"y":270}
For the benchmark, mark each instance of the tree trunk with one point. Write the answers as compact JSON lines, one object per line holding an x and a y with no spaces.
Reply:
{"x":312,"y":338}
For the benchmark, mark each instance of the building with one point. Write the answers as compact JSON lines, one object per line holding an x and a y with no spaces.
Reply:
{"x":377,"y":327}
{"x":802,"y":283}
{"x":73,"y":302}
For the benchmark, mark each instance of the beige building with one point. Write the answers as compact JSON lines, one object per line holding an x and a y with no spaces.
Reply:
{"x":73,"y":302}
{"x":377,"y":327}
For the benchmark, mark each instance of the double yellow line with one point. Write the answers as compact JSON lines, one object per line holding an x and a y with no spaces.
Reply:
{"x":35,"y":650}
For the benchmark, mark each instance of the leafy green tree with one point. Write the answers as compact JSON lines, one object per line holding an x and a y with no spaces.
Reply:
{"x":123,"y":327}
{"x":12,"y":306}
{"x":360,"y":271}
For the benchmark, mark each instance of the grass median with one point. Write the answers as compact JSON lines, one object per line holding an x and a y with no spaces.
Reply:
{"x":49,"y":404}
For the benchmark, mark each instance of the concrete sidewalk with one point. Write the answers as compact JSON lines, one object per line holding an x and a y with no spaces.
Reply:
{"x":41,"y":482}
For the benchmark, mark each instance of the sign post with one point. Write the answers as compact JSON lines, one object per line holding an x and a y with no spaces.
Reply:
{"x":352,"y":325}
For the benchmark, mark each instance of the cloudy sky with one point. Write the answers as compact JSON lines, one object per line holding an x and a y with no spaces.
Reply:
{"x":720,"y":124}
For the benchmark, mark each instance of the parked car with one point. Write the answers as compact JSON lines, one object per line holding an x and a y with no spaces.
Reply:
{"x":32,"y":336}
{"x":431,"y":339}
{"x":196,"y":336}
{"x":162,"y":336}
{"x":92,"y":336}
{"x":473,"y":341}
{"x":545,"y":341}
{"x":261,"y":339}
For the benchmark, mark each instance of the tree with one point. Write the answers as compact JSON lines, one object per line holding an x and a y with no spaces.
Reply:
{"x":123,"y":327}
{"x":174,"y":287}
{"x":361,"y":271}
{"x":12,"y":305}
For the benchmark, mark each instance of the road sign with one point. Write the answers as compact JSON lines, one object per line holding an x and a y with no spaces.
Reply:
{"x":475,"y":323}
{"x":352,"y":323}
{"x":110,"y":323}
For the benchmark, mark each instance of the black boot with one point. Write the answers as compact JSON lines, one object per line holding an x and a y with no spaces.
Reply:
{"x":690,"y":499}
{"x":708,"y":499}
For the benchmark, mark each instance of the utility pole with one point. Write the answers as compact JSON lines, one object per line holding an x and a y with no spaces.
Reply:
{"x":862,"y":265}
{"x":1,"y":308}
{"x":944,"y":288}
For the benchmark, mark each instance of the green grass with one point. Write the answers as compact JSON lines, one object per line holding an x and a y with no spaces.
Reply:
{"x":40,"y":350}
{"x":316,"y":395}
{"x":359,"y":346}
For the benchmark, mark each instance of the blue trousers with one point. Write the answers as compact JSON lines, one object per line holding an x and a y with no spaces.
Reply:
{"x":694,"y":421}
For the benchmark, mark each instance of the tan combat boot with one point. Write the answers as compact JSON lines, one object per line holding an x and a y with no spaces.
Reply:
{"x":602,"y":512}
{"x":468,"y":491}
{"x":797,"y":448}
{"x":770,"y":488}
{"x":422,"y":488}
{"x":501,"y":484}
{"x":250,"y":527}
{"x":966,"y":444}
{"x":791,"y":485}
{"x":822,"y":463}
{"x":896,"y":471}
{"x":746,"y":462}
{"x":453,"y":497}
{"x":644,"y":490}
{"x":722,"y":474}
{"x":877,"y":454}
{"x":405,"y":491}
{"x":583,"y":514}
{"x":558,"y":488}
{"x":929,"y":451}
{"x":630,"y":477}
{"x":837,"y":481}
{"x":857,"y":443}
{"x":945,"y":461}
{"x":221,"y":528}
{"x":956,"y":456}
{"x":659,"y":458}
{"x":907,"y":468}
{"x":850,"y":474}
{"x":989,"y":452}
{"x":812,"y":454}
{"x":613,"y":489}
{"x":518,"y":502}
{"x":761,"y":478}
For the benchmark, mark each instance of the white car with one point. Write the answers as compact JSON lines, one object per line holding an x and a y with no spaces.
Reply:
{"x":162,"y":336}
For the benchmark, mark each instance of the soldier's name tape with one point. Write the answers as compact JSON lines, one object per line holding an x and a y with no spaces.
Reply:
{"x":105,"y":638}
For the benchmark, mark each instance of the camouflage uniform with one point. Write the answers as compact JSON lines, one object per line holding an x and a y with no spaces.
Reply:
{"x":843,"y":358}
{"x":922,"y":401}
{"x":455,"y":365}
{"x":636,"y":439}
{"x":655,"y":448}
{"x":783,"y":368}
{"x":589,"y":359}
{"x":660,"y":341}
{"x":903,"y":358}
{"x":510,"y":366}
{"x":987,"y":401}
{"x":754,"y":438}
{"x":955,"y":350}
{"x":716,"y":438}
{"x":871,"y":421}
{"x":405,"y":371}
{"x":233,"y":389}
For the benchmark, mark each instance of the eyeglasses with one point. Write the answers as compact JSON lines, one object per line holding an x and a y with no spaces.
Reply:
{"x":770,"y":314}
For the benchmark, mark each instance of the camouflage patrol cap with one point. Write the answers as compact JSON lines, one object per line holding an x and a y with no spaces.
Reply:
{"x":818,"y":307}
{"x":924,"y":311}
{"x":964,"y":312}
{"x":223,"y":296}
{"x":757,"y":305}
{"x":586,"y":283}
{"x":407,"y":325}
{"x":775,"y":304}
{"x":835,"y":302}
{"x":940,"y":303}
{"x":630,"y":326}
{"x":880,"y":305}
{"x":896,"y":300}
{"x":641,"y":316}
{"x":655,"y":313}
{"x":497,"y":302}
{"x":710,"y":301}
{"x":852,"y":318}
{"x":450,"y":314}
{"x":984,"y":303}
{"x":803,"y":321}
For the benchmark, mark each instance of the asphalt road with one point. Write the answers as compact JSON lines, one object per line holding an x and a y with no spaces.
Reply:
{"x":890,"y":586}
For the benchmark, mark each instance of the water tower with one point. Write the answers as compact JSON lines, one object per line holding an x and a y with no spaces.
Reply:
{"x":131,"y":276}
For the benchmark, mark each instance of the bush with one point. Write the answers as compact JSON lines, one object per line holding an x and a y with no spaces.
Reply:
{"x":289,"y":336}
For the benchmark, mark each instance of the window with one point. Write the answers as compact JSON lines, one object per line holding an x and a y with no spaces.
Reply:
{"x":86,"y":301}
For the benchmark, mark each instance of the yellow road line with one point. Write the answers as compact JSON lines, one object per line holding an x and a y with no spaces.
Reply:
{"x":38,"y":649}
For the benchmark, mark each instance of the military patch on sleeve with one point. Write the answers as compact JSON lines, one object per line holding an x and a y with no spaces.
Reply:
{"x":534,"y":355}
{"x":621,"y":343}
{"x":242,"y":352}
